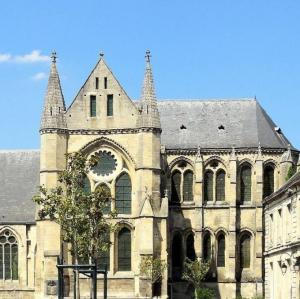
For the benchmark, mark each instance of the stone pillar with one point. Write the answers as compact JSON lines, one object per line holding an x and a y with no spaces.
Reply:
{"x":231,"y":244}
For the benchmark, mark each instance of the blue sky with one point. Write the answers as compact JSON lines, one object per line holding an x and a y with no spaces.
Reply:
{"x":200,"y":49}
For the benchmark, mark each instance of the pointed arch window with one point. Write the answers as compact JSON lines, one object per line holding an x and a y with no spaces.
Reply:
{"x":86,"y":185}
{"x":176,"y":179}
{"x":190,"y":248}
{"x":245,"y":183}
{"x":220,"y":185}
{"x":208,"y":185}
{"x":177,"y":256}
{"x":245,"y":251}
{"x":188,"y":186}
{"x":268,"y":180}
{"x":104,"y":256}
{"x":207,"y":247}
{"x":123,"y":194}
{"x":124,"y":249}
{"x":105,"y":192}
{"x":8,"y":256}
{"x":221,"y":251}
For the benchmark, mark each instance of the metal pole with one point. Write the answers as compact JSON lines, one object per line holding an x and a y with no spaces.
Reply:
{"x":59,"y":279}
{"x":95,"y":279}
{"x":74,"y":286}
{"x":105,"y":282}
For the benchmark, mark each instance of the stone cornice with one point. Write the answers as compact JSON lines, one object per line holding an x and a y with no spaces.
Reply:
{"x":218,"y":151}
{"x":100,"y":132}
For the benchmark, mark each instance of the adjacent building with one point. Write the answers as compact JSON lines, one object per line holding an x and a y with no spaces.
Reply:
{"x":282,"y":241}
{"x":187,"y":178}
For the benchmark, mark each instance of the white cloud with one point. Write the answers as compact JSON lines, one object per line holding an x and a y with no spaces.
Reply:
{"x":39,"y":76}
{"x":5,"y":57}
{"x":33,"y":57}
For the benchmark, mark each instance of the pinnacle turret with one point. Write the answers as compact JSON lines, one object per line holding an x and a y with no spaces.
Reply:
{"x":149,"y":115}
{"x":54,"y":106}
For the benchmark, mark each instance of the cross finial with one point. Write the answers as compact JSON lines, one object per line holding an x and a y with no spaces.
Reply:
{"x":53,"y":56}
{"x":101,"y":54}
{"x":147,"y":56}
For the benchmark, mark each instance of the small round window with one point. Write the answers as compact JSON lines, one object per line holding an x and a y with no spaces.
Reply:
{"x":106,"y":163}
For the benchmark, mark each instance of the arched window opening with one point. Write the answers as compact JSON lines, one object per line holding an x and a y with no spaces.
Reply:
{"x":207,"y":247}
{"x":104,"y":255}
{"x":246,"y":183}
{"x":177,"y":258}
{"x":124,"y":250}
{"x":221,"y":251}
{"x":188,"y":186}
{"x":8,"y":256}
{"x":105,"y":192}
{"x":268,"y":180}
{"x":208,"y":185}
{"x":190,"y":248}
{"x":123,"y":194}
{"x":176,"y":178}
{"x":220,"y":185}
{"x":86,"y":185}
{"x":245,"y":251}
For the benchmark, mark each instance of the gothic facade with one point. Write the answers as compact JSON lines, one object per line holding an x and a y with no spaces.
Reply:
{"x":187,"y":178}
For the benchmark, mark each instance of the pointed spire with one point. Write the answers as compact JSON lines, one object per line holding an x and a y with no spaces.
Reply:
{"x":287,"y":155}
{"x":233,"y":154}
{"x":199,"y":155}
{"x":54,"y":106}
{"x":149,"y":115}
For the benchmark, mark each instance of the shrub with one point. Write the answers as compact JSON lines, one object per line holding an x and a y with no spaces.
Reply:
{"x":205,"y":293}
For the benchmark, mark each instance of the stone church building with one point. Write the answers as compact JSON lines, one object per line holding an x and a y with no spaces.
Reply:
{"x":187,"y":178}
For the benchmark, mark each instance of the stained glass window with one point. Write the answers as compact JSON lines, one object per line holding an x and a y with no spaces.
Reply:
{"x":221,"y":251}
{"x":176,"y":179}
{"x":124,"y":250}
{"x":106,"y":163}
{"x":208,"y":185}
{"x":207,"y":247}
{"x":123,"y":194}
{"x":105,"y":191}
{"x":104,"y":256}
{"x":220,"y":185}
{"x":190,"y":248}
{"x":268,"y":180}
{"x":245,"y":251}
{"x":246,"y":183}
{"x":188,"y":186}
{"x":8,"y":256}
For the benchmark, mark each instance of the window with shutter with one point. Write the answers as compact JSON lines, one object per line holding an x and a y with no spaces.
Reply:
{"x":176,"y":179}
{"x":268,"y":180}
{"x":124,"y":250}
{"x":221,"y":251}
{"x":220,"y":185}
{"x":207,"y":247}
{"x":190,"y":248}
{"x":245,"y":183}
{"x":245,"y":251}
{"x":110,"y":105}
{"x":8,"y":256}
{"x":93,"y":106}
{"x":188,"y":186}
{"x":208,"y":185}
{"x":123,"y":194}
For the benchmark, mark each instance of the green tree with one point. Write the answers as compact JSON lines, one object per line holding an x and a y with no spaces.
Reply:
{"x":292,"y":170}
{"x":195,"y":272}
{"x":78,"y":211}
{"x":152,"y":268}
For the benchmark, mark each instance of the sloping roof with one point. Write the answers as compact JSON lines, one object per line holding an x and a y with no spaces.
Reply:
{"x":217,"y":124}
{"x":19,"y":181}
{"x":294,"y":180}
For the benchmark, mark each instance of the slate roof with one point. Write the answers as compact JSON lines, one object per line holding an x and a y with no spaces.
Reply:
{"x":19,"y":179}
{"x":218,"y":124}
{"x":245,"y":124}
